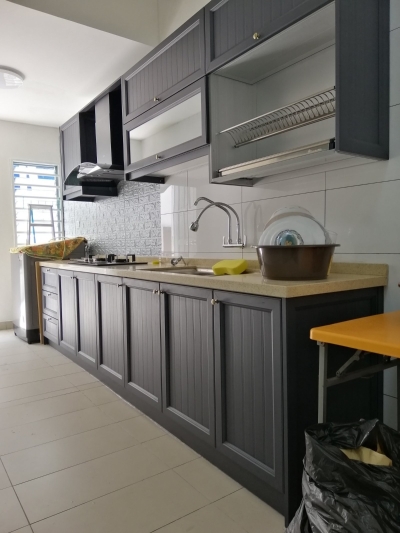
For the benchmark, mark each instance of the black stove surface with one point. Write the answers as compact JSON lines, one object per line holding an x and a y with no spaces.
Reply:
{"x":105,"y":263}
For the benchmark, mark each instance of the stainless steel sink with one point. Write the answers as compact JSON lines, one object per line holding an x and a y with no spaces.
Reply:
{"x":193,"y":271}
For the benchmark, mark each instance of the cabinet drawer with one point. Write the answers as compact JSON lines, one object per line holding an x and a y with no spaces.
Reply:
{"x":50,"y":328}
{"x":176,"y":63}
{"x":50,"y":279}
{"x":50,"y":303}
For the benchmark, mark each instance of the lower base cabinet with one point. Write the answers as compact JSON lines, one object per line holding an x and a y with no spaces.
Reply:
{"x":249,"y":403}
{"x":234,"y":376}
{"x":142,"y":341}
{"x":110,"y":330}
{"x":188,"y":359}
{"x":86,"y":324}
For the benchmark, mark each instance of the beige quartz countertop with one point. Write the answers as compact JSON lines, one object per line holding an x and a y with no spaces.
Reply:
{"x":343,"y":277}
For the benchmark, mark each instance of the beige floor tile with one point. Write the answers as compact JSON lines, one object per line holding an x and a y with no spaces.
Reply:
{"x":18,"y":358}
{"x":143,"y":429}
{"x":251,"y":513}
{"x":171,"y":450}
{"x":74,"y":486}
{"x":11,"y":514}
{"x":32,"y":389}
{"x":4,"y":481}
{"x":63,"y":453}
{"x":30,"y":412}
{"x":118,"y":411}
{"x":26,"y":529}
{"x":207,"y":479}
{"x":140,"y":508}
{"x":25,"y":366}
{"x":44,"y":350}
{"x":81,"y":378}
{"x":27,"y":377}
{"x":69,"y":368}
{"x":51,"y":429}
{"x":18,"y":347}
{"x":101,"y":395}
{"x":37,"y":397}
{"x":56,"y":360}
{"x":92,"y":385}
{"x":207,"y":520}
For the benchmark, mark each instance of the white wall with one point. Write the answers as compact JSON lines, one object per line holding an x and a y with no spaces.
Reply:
{"x":173,"y":13}
{"x":21,"y":142}
{"x":359,"y":202}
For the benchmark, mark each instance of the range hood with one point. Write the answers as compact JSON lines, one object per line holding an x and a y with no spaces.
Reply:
{"x":106,"y":137}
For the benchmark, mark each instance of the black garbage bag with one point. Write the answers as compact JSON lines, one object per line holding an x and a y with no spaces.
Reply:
{"x":344,"y":495}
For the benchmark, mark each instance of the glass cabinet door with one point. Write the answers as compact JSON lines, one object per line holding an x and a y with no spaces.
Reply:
{"x":175,"y":126}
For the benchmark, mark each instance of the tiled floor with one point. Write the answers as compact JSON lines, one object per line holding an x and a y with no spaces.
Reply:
{"x":77,"y":458}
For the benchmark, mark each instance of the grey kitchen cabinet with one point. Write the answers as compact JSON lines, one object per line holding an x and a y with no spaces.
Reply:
{"x":50,"y":303}
{"x":110,"y":328}
{"x":86,"y":322}
{"x":78,"y":142}
{"x":235,"y":26}
{"x":158,"y":137}
{"x":249,"y":394}
{"x":50,"y":279}
{"x":173,"y":65}
{"x":188,"y":359}
{"x":67,"y":311}
{"x":142,"y":341}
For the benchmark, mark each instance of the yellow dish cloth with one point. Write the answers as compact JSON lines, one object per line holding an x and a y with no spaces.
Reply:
{"x":232,"y":267}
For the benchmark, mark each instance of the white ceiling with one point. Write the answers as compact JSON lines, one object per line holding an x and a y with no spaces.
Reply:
{"x":65,"y":64}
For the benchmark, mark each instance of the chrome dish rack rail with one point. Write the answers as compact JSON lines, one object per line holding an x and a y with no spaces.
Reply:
{"x":319,"y":106}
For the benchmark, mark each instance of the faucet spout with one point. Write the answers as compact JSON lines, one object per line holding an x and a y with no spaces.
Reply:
{"x":194,"y":226}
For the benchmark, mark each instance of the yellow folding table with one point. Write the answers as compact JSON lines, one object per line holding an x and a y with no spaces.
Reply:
{"x":377,"y":334}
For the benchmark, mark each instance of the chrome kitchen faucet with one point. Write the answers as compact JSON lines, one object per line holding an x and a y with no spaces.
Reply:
{"x":194,"y":226}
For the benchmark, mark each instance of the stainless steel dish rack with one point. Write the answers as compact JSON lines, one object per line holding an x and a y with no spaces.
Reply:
{"x":319,"y":106}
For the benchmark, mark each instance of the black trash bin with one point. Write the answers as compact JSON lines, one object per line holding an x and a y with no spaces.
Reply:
{"x":346,"y":495}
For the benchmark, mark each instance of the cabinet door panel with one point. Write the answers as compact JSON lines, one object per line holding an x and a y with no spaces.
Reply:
{"x":67,"y":321}
{"x":231,"y":24}
{"x":249,"y":383}
{"x":188,"y":359}
{"x":110,"y":327}
{"x":70,"y":146}
{"x":176,"y":63}
{"x":86,"y":326}
{"x":143,"y":353}
{"x":50,"y":279}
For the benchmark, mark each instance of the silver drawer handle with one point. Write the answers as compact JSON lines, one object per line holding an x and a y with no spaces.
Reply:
{"x":214,"y":302}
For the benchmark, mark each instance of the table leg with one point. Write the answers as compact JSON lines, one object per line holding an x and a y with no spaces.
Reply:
{"x":398,"y":396}
{"x":322,"y":388}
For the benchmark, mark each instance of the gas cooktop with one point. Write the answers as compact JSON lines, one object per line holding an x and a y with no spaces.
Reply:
{"x":105,"y":263}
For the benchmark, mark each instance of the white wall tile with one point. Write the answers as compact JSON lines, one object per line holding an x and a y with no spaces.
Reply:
{"x":256,"y":214}
{"x":266,"y":189}
{"x":394,"y":14}
{"x":213,"y":227}
{"x":392,"y":291}
{"x":395,"y":66}
{"x":390,"y":382}
{"x":216,"y":255}
{"x":390,"y":411}
{"x":174,"y":194}
{"x":174,"y":233}
{"x":365,"y":217}
{"x":199,"y":185}
{"x":376,"y":171}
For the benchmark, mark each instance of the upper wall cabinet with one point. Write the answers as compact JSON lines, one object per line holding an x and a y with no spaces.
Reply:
{"x":316,"y":92}
{"x":78,"y":142}
{"x":177,"y":62}
{"x":235,"y":26}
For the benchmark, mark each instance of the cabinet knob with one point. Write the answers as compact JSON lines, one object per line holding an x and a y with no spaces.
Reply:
{"x":256,"y":36}
{"x":155,"y":291}
{"x":158,"y":156}
{"x":155,"y":99}
{"x":160,"y":292}
{"x":120,"y":285}
{"x":214,"y":302}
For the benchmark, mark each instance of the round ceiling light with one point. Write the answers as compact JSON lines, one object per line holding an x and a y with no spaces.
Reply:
{"x":10,"y":79}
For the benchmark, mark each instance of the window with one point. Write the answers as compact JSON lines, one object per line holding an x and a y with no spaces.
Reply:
{"x":39,"y":185}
